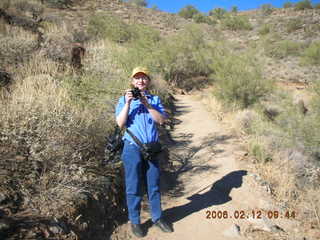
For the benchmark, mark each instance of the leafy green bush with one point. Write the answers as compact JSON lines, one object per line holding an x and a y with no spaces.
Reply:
{"x":235,"y":23}
{"x":266,"y":9}
{"x":110,"y":27}
{"x":288,"y":5}
{"x":239,"y":79}
{"x":283,"y":49}
{"x":188,"y":11}
{"x":305,"y":4}
{"x":311,"y":55}
{"x":294,"y":24}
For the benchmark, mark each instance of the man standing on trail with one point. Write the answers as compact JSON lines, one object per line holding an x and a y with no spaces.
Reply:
{"x":139,"y":111}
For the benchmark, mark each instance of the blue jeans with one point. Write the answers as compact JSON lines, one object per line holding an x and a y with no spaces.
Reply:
{"x":137,"y":173}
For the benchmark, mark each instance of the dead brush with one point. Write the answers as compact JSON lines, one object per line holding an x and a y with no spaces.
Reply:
{"x":52,"y":149}
{"x":16,"y":46}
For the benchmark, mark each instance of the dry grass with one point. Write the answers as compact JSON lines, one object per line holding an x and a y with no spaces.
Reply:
{"x":16,"y":45}
{"x":50,"y":145}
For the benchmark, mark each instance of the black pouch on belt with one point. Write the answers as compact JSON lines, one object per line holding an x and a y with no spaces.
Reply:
{"x":148,"y":150}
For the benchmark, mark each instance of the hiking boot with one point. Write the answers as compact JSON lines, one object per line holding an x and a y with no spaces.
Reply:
{"x":164,"y":226}
{"x":137,"y":230}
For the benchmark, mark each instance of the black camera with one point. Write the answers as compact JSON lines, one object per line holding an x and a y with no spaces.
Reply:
{"x":136,"y":93}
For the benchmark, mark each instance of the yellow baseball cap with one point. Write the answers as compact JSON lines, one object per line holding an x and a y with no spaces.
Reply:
{"x":140,"y":70}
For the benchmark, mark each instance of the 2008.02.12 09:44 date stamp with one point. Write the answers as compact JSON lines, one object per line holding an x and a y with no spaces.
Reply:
{"x":255,"y":214}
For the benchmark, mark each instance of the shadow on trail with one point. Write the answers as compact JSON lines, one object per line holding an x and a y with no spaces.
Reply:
{"x":218,"y":194}
{"x":184,"y":158}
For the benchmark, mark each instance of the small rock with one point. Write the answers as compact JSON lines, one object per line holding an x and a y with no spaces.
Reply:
{"x":233,"y":231}
{"x":4,"y":226}
{"x":2,"y":197}
{"x":56,"y":229}
{"x":265,"y":225}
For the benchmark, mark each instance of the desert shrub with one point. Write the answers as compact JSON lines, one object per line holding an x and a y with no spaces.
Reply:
{"x":239,"y":80}
{"x":201,"y":18}
{"x":178,"y":58}
{"x":266,"y":9}
{"x":258,"y":149}
{"x":140,"y":50}
{"x":305,"y":4}
{"x":315,"y":103}
{"x":294,"y":24}
{"x":141,"y":3}
{"x":184,"y":56}
{"x":188,"y":11}
{"x":301,"y":130}
{"x":264,"y":29}
{"x":218,"y":13}
{"x":5,"y":4}
{"x":145,"y":35}
{"x":283,"y":49}
{"x":110,"y":27}
{"x":317,"y":6}
{"x":16,"y":50}
{"x":32,"y":7}
{"x":60,"y":3}
{"x":311,"y":54}
{"x":288,"y":5}
{"x":236,"y":23}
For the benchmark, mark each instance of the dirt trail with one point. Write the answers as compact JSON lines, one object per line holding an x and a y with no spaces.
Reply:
{"x":209,"y":179}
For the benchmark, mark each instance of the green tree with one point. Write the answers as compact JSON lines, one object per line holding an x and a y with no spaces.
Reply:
{"x":188,"y":11}
{"x":234,"y":9}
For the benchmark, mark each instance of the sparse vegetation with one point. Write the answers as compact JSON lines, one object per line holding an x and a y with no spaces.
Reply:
{"x":264,"y":29}
{"x":218,"y":13}
{"x":236,"y":23}
{"x":140,"y":3}
{"x":110,"y":27}
{"x":239,"y":80}
{"x":288,"y":5}
{"x":311,"y":54}
{"x":294,"y":25}
{"x":178,"y":58}
{"x":53,"y":120}
{"x":201,"y":18}
{"x":266,"y":9}
{"x":283,"y":49}
{"x":188,"y":11}
{"x":59,"y":3}
{"x":305,"y":4}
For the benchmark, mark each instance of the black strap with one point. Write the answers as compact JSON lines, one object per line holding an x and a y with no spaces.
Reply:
{"x":136,"y":139}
